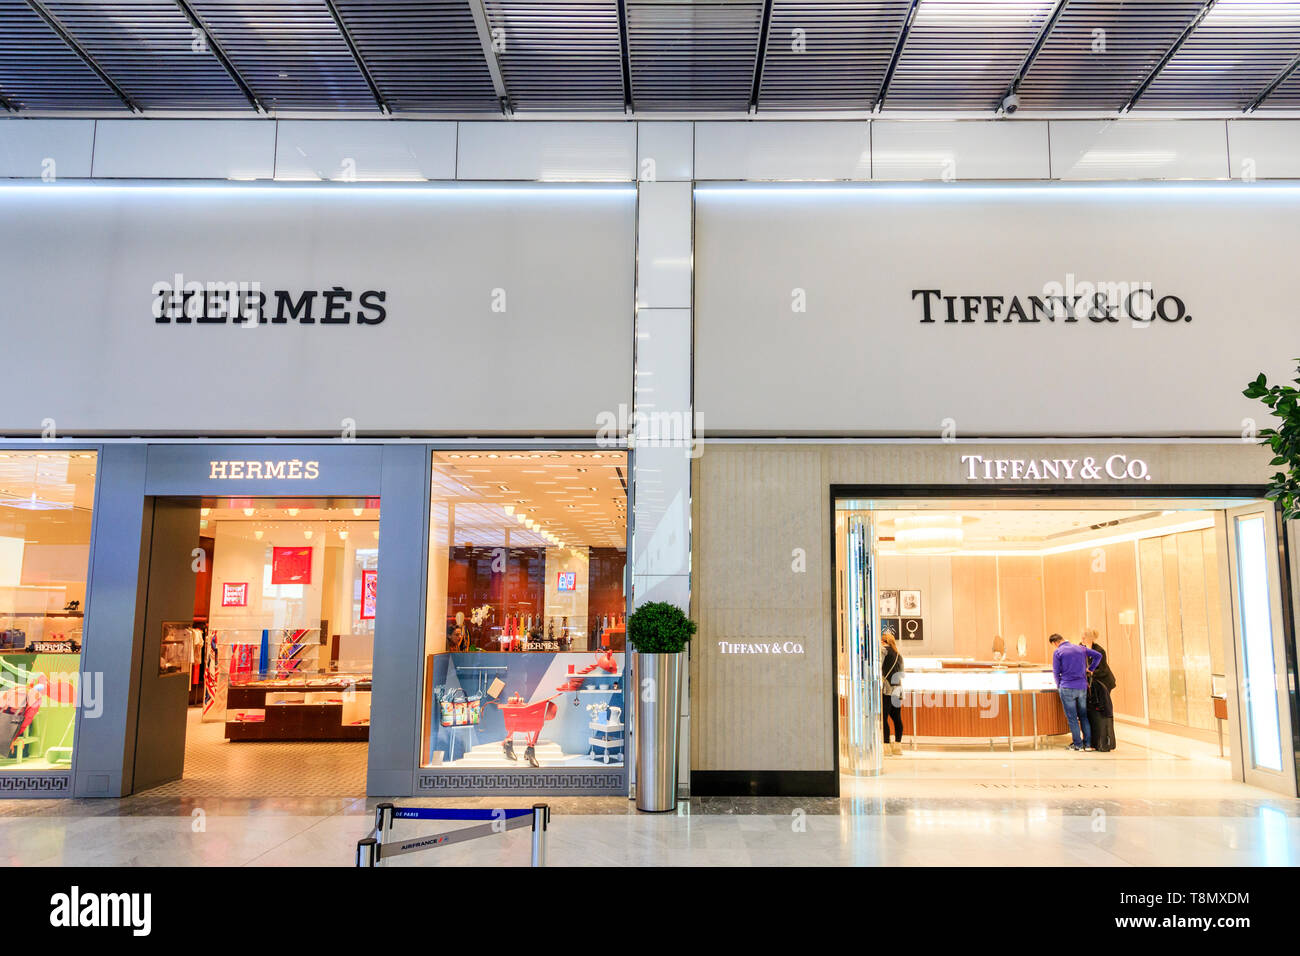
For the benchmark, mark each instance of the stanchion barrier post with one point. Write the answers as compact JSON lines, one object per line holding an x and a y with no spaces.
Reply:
{"x":541,"y":816}
{"x":383,"y":822}
{"x":367,"y":852}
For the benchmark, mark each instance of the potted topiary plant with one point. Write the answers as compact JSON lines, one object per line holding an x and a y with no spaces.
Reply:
{"x":658,"y":633}
{"x":1284,"y":402}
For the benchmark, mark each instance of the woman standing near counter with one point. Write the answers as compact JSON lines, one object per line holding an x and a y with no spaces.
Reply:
{"x":891,"y":675}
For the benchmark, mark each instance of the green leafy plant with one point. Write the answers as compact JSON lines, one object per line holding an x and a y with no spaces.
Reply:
{"x":1284,"y":439}
{"x":659,"y":628}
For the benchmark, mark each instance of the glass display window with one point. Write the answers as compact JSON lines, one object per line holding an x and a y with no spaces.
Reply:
{"x":46,"y":509}
{"x":525,"y":636}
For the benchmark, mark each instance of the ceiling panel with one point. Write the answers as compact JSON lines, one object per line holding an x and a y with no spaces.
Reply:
{"x":39,"y":71}
{"x":291,"y":52}
{"x":424,"y":57}
{"x":1100,"y":51}
{"x":964,"y":54}
{"x":827,"y":55}
{"x":693,"y":55}
{"x":1230,"y":58}
{"x":559,"y":56}
{"x":152,"y":51}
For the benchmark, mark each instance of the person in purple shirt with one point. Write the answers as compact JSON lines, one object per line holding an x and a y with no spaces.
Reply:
{"x":1070,"y":666}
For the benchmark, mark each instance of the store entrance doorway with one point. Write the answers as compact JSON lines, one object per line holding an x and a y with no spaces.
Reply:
{"x":1183,"y":597}
{"x":258,"y":641}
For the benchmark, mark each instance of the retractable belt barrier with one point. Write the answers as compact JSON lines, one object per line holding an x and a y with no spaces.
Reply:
{"x":374,"y":850}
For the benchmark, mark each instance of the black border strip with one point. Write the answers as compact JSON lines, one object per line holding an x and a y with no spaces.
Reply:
{"x":765,"y":783}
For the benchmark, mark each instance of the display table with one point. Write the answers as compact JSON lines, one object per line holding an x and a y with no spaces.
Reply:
{"x":968,"y":704}
{"x":313,"y":709}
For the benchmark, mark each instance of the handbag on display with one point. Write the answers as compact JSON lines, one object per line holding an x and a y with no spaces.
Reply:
{"x":456,"y":709}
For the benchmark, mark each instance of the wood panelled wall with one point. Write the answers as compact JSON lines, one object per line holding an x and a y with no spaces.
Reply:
{"x":1109,"y":571}
{"x":974,"y":605}
{"x":968,"y":599}
{"x":932,"y":576}
{"x":1183,"y":620}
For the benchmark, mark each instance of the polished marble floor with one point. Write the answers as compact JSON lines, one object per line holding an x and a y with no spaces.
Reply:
{"x":1160,"y":801}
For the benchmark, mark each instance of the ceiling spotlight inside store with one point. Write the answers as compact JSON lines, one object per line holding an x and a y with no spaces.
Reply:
{"x":343,"y":536}
{"x":258,"y":535}
{"x":307,"y":535}
{"x":205,"y":512}
{"x":293,"y":512}
{"x":508,"y":509}
{"x":356,"y":512}
{"x":248,"y":512}
{"x":928,"y":534}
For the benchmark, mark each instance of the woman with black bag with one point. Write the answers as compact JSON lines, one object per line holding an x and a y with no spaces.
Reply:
{"x":891,"y":674}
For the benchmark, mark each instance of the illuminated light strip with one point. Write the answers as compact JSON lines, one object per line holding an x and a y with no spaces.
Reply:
{"x":534,"y":190}
{"x":1201,"y":524}
{"x":1118,"y":190}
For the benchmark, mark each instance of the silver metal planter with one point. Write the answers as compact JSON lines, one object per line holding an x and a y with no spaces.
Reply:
{"x":658,"y":678}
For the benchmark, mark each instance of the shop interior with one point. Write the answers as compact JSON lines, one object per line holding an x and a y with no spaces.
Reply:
{"x":527,"y":604}
{"x":46,"y":503}
{"x":972,"y":589}
{"x":276,"y":659}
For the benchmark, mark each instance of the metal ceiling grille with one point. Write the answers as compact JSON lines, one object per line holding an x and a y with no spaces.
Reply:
{"x":424,"y":57}
{"x":825,"y":55}
{"x":1287,"y":93}
{"x":152,"y":51}
{"x":693,"y":55}
{"x":455,"y":57}
{"x":1230,"y":58}
{"x":290,"y":52}
{"x":1100,"y":51}
{"x":964,"y":54}
{"x":559,"y":56}
{"x":39,"y":71}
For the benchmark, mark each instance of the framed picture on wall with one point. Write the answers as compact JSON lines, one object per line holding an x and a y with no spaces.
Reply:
{"x":909,"y":603}
{"x":888,"y":603}
{"x":912,"y":629}
{"x":369,"y":593}
{"x":234,"y":595}
{"x":291,"y":565}
{"x":889,"y":625}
